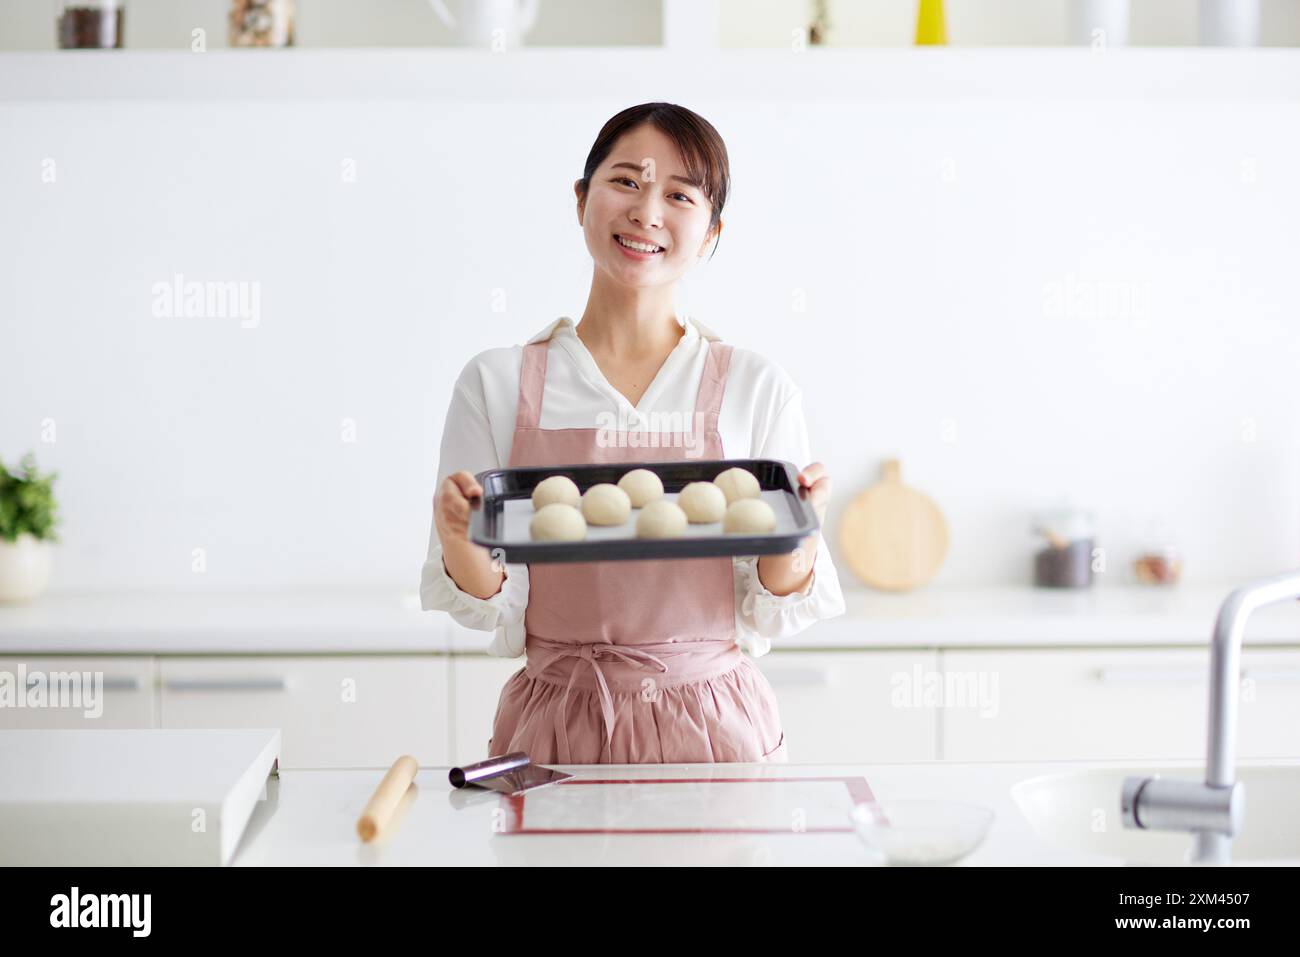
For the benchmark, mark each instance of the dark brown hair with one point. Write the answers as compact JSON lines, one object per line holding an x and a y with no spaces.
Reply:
{"x":701,"y":147}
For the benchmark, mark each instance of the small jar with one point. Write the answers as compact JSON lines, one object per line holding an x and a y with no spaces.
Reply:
{"x":91,"y":24}
{"x":1065,"y":560}
{"x":1158,"y":566}
{"x":261,"y":23}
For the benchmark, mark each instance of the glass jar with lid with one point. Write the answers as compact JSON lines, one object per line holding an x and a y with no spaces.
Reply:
{"x":1158,"y":560}
{"x":90,"y":24}
{"x":261,"y":23}
{"x":1065,"y":559}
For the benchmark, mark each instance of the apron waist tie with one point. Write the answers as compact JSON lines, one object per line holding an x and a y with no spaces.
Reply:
{"x":591,"y":653}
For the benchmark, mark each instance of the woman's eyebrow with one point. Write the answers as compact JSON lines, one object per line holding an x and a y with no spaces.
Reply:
{"x":639,"y":168}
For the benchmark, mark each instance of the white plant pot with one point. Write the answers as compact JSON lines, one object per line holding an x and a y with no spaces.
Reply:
{"x":487,"y":23}
{"x":1110,"y":17}
{"x":1229,"y":23}
{"x":25,"y":566}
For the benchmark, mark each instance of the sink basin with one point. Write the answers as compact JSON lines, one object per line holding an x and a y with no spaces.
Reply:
{"x":1079,"y":811}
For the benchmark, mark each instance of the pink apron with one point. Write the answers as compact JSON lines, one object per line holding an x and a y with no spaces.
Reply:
{"x":631,"y":662}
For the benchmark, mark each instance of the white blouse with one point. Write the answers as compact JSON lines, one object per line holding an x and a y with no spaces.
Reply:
{"x":761,"y":417}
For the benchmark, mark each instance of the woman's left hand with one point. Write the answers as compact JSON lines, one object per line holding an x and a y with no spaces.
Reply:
{"x":783,"y":574}
{"x":818,"y":483}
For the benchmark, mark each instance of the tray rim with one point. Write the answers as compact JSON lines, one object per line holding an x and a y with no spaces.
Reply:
{"x":525,"y":553}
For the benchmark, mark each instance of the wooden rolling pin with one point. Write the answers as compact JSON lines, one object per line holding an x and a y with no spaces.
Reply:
{"x":382,"y":803}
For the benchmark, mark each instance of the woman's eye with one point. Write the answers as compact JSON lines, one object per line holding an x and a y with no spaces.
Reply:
{"x":628,"y":179}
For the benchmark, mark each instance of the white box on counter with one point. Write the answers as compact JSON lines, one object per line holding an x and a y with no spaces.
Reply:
{"x":130,"y":797}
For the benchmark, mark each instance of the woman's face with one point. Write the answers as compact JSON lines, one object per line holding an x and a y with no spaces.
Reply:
{"x":636,"y":195}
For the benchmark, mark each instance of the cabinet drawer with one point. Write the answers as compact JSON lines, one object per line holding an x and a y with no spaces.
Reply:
{"x":852,"y":707}
{"x":332,"y":712}
{"x":79,"y":692}
{"x":1097,"y":705}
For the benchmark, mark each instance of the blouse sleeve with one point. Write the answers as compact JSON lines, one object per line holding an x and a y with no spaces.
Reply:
{"x":760,"y":615}
{"x":467,"y":444}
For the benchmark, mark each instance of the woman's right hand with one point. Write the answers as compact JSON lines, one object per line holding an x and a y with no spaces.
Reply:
{"x":451,"y":508}
{"x":472,"y":567}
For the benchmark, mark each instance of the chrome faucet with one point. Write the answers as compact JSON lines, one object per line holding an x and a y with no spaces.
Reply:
{"x":1212,"y":811}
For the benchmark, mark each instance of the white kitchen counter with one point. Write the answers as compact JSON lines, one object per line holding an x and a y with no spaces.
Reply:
{"x":309,"y":818}
{"x":390,"y":621}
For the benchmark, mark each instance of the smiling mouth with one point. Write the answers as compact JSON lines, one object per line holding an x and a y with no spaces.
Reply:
{"x":639,"y":247}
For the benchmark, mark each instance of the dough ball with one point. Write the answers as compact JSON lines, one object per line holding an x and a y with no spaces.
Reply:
{"x":749,"y":516}
{"x":661,"y":519}
{"x":737,"y":483}
{"x":557,"y":488}
{"x":557,"y":522}
{"x":702,"y":502}
{"x":606,"y":504}
{"x":642,"y":487}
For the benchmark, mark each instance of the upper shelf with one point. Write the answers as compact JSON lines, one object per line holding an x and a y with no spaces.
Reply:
{"x":637,"y":73}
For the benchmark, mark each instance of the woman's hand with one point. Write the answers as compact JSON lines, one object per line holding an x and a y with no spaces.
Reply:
{"x":784,"y":574}
{"x":818,"y":483}
{"x":470,"y":566}
{"x":451,"y":507}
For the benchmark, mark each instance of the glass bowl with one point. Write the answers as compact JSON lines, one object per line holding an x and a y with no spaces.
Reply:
{"x":921,"y":831}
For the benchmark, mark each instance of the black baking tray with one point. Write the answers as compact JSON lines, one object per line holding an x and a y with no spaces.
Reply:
{"x":507,"y":501}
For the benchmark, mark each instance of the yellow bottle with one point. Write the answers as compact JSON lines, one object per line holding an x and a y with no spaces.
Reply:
{"x":930,"y":27}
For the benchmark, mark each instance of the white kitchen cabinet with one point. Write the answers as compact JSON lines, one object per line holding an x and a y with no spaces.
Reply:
{"x":852,"y":706}
{"x":99,"y":692}
{"x":1113,"y":703}
{"x":333,"y":711}
{"x":477,"y":680}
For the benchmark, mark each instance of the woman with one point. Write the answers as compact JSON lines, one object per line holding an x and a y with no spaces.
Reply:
{"x":631,"y":662}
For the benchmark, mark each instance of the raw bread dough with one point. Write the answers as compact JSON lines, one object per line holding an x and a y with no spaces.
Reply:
{"x":557,"y":522}
{"x":702,"y":502}
{"x":642,"y":487}
{"x":606,"y":504}
{"x":661,"y":519}
{"x":749,"y":516}
{"x":556,"y":488}
{"x":737,"y":483}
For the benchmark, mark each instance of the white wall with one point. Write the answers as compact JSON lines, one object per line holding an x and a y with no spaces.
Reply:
{"x":925,"y":236}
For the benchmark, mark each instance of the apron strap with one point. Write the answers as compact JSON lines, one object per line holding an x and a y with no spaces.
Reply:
{"x":532,"y":382}
{"x":708,"y":401}
{"x":713,"y":383}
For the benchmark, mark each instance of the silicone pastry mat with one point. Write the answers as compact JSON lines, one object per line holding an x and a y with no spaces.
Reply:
{"x":754,"y":805}
{"x":517,"y":515}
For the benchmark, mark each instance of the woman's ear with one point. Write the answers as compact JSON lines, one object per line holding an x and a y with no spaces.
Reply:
{"x":712,"y":234}
{"x":582,"y":198}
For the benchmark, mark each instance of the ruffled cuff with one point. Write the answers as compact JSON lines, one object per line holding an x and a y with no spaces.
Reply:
{"x":502,"y":612}
{"x":762,"y":616}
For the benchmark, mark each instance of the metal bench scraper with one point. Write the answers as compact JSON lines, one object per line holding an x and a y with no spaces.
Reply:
{"x":510,"y":774}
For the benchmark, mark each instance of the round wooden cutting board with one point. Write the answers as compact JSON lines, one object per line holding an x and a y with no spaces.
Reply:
{"x":893,"y":537}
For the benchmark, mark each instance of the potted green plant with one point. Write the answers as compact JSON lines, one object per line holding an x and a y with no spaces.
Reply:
{"x":27,"y":521}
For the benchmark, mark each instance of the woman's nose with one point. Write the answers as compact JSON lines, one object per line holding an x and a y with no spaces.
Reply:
{"x":647,"y":213}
